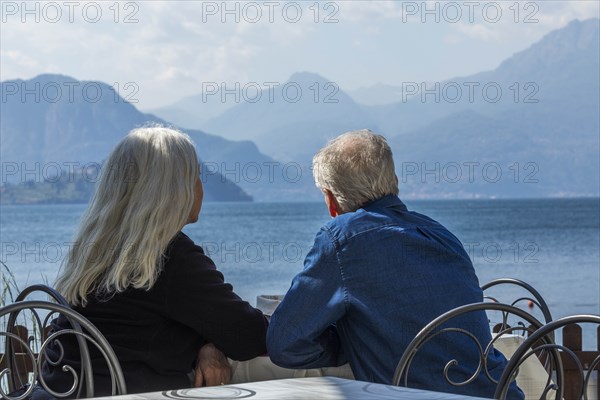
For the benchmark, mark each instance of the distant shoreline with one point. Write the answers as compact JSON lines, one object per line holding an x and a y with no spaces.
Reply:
{"x":406,"y":199}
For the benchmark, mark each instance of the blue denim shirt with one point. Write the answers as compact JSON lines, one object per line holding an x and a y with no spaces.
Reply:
{"x":372,"y":280}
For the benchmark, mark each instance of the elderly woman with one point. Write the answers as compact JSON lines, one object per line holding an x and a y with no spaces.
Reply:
{"x":153,"y":293}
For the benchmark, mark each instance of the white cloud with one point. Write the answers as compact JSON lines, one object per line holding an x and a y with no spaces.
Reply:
{"x":524,"y":22}
{"x":17,"y":58}
{"x":176,"y":46}
{"x":453,"y":39}
{"x":560,"y":13}
{"x":365,"y":11}
{"x":478,"y":31}
{"x":168,"y":53}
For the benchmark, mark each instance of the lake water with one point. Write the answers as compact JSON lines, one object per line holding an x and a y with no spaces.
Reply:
{"x":553,"y":244}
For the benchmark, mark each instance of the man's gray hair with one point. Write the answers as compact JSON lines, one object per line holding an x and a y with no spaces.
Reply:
{"x":357,"y":167}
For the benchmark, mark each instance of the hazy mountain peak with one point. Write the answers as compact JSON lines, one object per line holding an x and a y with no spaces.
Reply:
{"x":557,"y":47}
{"x":305,"y":77}
{"x":50,"y":77}
{"x":582,"y":34}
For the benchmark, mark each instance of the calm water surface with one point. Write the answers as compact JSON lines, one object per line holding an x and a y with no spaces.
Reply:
{"x":554,"y":244}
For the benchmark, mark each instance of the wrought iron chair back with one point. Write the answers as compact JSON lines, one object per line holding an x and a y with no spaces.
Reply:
{"x":537,"y":298}
{"x":51,"y":292}
{"x":534,"y":344}
{"x":20,"y":365}
{"x":82,"y":329}
{"x":439,"y":326}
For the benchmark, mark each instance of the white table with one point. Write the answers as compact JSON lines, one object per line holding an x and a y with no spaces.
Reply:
{"x":532,"y":377}
{"x":262,"y":369}
{"x":321,"y":388}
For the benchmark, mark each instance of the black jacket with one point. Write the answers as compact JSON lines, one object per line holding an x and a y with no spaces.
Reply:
{"x":156,"y":334}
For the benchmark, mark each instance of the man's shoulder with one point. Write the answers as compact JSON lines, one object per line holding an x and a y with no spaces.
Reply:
{"x":374,"y":219}
{"x":346,"y":222}
{"x":363,"y":220}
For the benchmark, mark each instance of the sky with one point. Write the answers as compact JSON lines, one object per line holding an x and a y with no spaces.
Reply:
{"x":157,"y":52}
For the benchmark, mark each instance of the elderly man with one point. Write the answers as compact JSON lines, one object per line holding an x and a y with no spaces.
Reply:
{"x":377,"y":273}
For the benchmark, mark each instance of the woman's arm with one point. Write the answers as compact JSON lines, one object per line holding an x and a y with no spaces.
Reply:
{"x":199,"y":298}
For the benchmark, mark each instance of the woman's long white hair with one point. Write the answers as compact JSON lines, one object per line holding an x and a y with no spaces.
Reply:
{"x":143,"y":198}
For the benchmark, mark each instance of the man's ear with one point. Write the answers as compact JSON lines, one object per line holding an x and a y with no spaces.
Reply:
{"x":332,"y":204}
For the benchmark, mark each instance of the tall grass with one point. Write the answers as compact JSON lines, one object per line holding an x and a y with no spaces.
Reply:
{"x":10,"y":291}
{"x":10,"y":288}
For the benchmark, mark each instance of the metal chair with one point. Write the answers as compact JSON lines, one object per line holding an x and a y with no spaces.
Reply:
{"x":51,"y":292}
{"x":39,"y":314}
{"x":19,"y":366}
{"x":535,"y":343}
{"x":443,"y":325}
{"x":537,"y":298}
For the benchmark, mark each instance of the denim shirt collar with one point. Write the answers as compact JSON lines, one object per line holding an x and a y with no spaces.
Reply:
{"x":388,"y":201}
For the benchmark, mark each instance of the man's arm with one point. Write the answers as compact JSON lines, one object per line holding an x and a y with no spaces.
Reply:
{"x":301,"y":333}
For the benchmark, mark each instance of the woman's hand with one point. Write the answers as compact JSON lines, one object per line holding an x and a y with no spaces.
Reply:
{"x":212,"y":367}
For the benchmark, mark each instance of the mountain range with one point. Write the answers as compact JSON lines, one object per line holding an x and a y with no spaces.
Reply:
{"x":537,"y":113}
{"x":54,"y":123}
{"x":294,"y":119}
{"x":551,"y":130}
{"x":529,"y":128}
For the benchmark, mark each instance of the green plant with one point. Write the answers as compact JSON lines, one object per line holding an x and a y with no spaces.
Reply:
{"x":10,"y":288}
